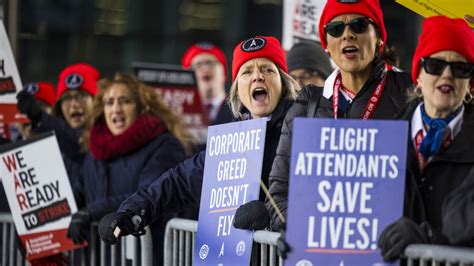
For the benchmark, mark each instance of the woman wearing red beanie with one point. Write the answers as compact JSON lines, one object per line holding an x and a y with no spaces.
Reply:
{"x":440,"y":163}
{"x":261,"y":88}
{"x":363,"y":86}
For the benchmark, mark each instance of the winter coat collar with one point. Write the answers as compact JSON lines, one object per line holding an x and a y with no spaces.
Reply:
{"x":105,"y":146}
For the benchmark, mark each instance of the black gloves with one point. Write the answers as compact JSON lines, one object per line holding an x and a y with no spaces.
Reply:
{"x":128,"y":222}
{"x":79,"y":227}
{"x":252,"y":215}
{"x":28,"y":105}
{"x":397,"y":236}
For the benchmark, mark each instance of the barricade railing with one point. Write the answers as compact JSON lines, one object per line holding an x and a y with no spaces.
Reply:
{"x":129,"y":250}
{"x":180,"y":237}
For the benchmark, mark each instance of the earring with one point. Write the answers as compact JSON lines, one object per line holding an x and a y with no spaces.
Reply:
{"x":468,"y":97}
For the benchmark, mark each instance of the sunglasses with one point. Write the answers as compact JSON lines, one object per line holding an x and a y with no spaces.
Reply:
{"x":357,"y":25}
{"x":435,"y":66}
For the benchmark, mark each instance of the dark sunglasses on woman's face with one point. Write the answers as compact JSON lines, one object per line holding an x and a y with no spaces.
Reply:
{"x":433,"y":66}
{"x":357,"y":25}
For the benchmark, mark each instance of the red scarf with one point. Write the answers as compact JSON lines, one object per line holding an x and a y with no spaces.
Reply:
{"x":105,"y":146}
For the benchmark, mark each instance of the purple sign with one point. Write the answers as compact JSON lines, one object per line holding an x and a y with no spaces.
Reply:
{"x":234,"y":157}
{"x":346,"y":185}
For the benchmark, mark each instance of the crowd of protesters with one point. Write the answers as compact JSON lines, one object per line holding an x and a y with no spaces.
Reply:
{"x":128,"y":155}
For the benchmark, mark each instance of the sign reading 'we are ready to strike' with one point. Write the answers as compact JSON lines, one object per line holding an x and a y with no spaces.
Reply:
{"x":346,"y":185}
{"x":39,"y":195}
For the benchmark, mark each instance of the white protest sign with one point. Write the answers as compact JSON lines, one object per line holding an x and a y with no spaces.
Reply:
{"x":39,"y":194}
{"x":301,"y":20}
{"x":10,"y":82}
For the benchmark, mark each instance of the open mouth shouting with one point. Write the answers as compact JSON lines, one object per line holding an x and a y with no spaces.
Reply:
{"x":350,"y":52}
{"x":260,"y":94}
{"x":119,"y":122}
{"x":77,"y":115}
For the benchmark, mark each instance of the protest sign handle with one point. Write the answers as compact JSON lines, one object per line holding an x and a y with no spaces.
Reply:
{"x":272,"y":202}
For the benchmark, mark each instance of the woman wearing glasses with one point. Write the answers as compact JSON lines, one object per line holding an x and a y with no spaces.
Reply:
{"x":440,"y":155}
{"x":364,"y":85}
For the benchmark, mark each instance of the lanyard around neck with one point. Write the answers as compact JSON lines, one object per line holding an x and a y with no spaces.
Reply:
{"x":373,"y":101}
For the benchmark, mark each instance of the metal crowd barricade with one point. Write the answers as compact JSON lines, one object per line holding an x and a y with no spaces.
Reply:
{"x":180,"y":237}
{"x":439,"y":255}
{"x":129,"y":250}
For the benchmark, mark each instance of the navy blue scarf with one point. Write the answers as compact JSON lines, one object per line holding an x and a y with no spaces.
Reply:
{"x":437,"y":131}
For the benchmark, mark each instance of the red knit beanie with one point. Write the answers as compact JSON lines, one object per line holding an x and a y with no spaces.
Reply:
{"x":78,"y":76}
{"x":260,"y":46}
{"x":441,"y":33}
{"x":42,"y":91}
{"x":368,"y":8}
{"x":204,"y":47}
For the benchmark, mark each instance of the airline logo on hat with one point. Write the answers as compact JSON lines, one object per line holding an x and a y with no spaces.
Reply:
{"x":32,"y":88}
{"x":74,"y":81}
{"x":253,"y":44}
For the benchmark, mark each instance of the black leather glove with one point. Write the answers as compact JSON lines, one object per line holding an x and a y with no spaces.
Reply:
{"x":252,"y":215}
{"x":28,"y":105}
{"x":79,"y":227}
{"x":397,"y":236}
{"x":128,"y":222}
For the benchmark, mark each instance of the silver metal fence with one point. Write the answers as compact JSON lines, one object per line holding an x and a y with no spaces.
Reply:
{"x":180,"y":236}
{"x":129,"y":250}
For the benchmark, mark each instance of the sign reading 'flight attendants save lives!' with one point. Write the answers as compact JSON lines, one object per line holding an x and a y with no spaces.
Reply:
{"x":346,"y":185}
{"x":39,"y":195}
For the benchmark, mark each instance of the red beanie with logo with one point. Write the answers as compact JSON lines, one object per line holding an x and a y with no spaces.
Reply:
{"x":42,"y":91}
{"x":440,"y":33}
{"x":368,"y":8}
{"x":260,"y":46}
{"x":78,"y":76}
{"x":204,"y":47}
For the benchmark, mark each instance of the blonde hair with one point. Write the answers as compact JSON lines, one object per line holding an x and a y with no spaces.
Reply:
{"x":147,"y":101}
{"x":289,"y":85}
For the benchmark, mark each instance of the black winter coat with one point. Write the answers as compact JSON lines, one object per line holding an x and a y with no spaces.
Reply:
{"x":426,"y":193}
{"x":180,"y":187}
{"x":391,"y":103}
{"x":105,"y":184}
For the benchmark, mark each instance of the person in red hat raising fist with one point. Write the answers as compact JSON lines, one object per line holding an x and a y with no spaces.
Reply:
{"x":210,"y":66}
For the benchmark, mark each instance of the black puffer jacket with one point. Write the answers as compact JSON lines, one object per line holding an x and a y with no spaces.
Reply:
{"x":391,"y":102}
{"x":438,"y":195}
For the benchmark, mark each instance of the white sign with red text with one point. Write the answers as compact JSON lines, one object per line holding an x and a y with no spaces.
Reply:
{"x":39,"y":195}
{"x":10,"y":82}
{"x":301,"y":20}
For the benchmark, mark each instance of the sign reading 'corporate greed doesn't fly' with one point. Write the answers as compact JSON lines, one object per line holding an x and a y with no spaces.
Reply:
{"x":234,"y":157}
{"x":346,"y":186}
{"x":39,"y":195}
